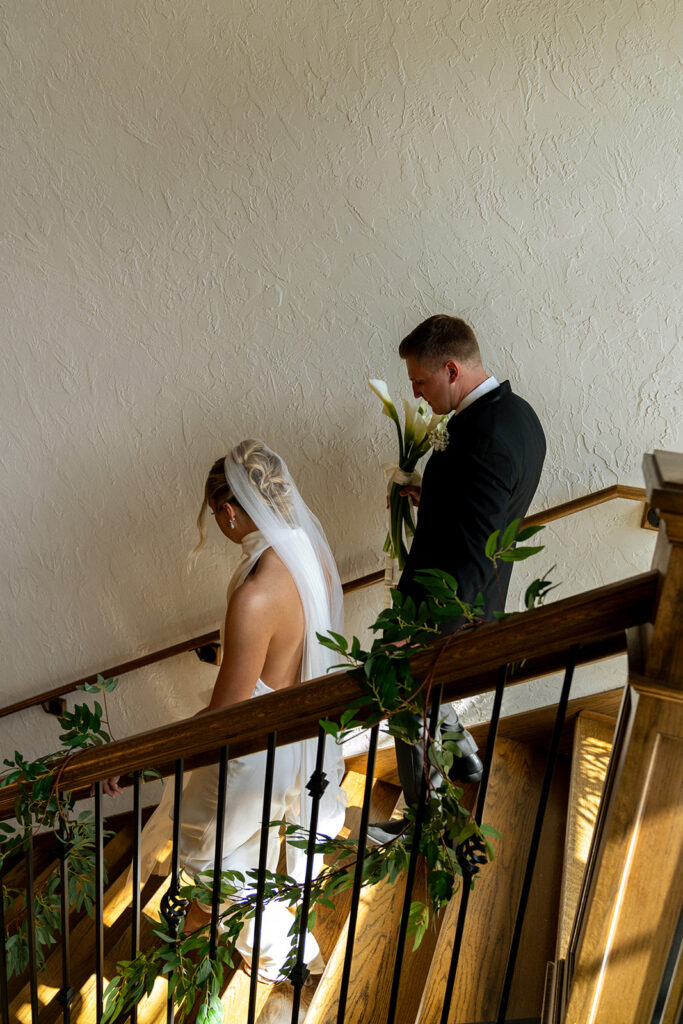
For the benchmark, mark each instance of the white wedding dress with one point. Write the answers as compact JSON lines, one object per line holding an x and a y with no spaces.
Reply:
{"x":316,"y":579}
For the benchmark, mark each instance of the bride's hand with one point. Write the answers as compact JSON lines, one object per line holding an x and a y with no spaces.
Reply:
{"x":111,"y":785}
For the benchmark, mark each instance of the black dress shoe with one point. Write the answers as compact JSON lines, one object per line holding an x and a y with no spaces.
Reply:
{"x":467,"y":768}
{"x":382,"y":832}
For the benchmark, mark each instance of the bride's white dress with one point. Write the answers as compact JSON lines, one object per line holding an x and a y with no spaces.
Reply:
{"x":294,"y":764}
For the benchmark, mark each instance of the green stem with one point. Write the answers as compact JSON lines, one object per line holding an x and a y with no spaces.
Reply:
{"x":401,"y":449}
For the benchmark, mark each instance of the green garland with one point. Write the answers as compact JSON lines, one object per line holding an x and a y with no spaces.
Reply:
{"x":42,"y":807}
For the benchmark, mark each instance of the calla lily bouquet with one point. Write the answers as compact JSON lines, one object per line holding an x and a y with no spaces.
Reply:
{"x":422,"y":430}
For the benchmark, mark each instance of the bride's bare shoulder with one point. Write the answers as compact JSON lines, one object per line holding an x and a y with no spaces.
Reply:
{"x":270,"y":583}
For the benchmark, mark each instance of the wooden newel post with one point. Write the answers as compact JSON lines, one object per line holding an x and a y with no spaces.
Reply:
{"x":626,"y":949}
{"x":664,"y":653}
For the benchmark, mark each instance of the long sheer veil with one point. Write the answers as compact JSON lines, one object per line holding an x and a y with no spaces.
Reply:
{"x":295,"y":534}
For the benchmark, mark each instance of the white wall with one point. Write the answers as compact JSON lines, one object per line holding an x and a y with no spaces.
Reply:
{"x":219,"y":218}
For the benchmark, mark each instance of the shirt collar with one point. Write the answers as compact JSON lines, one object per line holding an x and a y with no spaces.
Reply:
{"x":482,"y":389}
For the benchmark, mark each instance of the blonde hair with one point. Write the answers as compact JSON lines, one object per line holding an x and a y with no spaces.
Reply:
{"x":266,"y":475}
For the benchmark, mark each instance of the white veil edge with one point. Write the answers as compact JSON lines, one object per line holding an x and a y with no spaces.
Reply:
{"x":295,"y":534}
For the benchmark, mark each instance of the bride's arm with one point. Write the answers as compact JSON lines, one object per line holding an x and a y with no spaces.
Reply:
{"x":247,"y":635}
{"x":248,"y":629}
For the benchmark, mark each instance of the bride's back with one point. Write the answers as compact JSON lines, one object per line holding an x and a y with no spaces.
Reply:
{"x":270,"y":599}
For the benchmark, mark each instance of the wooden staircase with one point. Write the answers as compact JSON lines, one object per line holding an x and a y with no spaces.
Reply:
{"x":513,"y":794}
{"x":619,"y":962}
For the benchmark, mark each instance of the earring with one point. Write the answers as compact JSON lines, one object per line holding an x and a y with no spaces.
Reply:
{"x":231,"y":524}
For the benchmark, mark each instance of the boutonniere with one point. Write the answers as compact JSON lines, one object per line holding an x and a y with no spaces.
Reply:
{"x":440,"y":437}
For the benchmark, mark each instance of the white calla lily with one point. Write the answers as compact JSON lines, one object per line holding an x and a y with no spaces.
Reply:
{"x":416,"y":427}
{"x":382,"y":391}
{"x":422,"y":430}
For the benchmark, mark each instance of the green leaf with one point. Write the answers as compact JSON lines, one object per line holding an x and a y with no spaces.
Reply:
{"x":340,"y":640}
{"x":492,"y":544}
{"x":203,"y":972}
{"x":519,"y":554}
{"x":509,"y":533}
{"x":211,"y":1012}
{"x":528,"y":531}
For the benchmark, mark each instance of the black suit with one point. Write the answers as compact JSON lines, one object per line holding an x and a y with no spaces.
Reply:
{"x":482,"y":481}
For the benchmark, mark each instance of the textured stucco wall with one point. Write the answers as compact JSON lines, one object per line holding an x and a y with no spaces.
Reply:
{"x":218,"y":218}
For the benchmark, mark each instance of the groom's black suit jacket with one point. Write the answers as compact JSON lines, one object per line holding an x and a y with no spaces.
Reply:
{"x":485,"y":478}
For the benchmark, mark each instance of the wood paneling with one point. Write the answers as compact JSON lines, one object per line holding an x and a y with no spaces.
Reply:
{"x":636,"y":894}
{"x":511,"y":806}
{"x":590,"y":756}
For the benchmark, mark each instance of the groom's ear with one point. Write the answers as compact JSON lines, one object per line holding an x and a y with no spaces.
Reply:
{"x":453,"y":370}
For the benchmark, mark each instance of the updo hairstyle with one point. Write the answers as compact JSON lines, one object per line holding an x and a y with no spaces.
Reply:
{"x":266,"y":475}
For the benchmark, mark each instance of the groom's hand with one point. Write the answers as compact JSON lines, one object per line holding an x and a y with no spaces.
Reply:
{"x":413,"y":493}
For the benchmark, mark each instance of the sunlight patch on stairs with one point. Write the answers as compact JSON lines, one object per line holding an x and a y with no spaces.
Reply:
{"x":45,"y":994}
{"x":590,"y":756}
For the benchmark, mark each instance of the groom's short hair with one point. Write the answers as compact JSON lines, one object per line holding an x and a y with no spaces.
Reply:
{"x":440,"y":338}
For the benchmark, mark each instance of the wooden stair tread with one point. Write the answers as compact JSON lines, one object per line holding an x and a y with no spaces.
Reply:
{"x":593,"y":735}
{"x":379,"y":915}
{"x":83,"y":1008}
{"x":272,"y":1002}
{"x":512,"y":799}
{"x":116,"y":857}
{"x":330,"y":921}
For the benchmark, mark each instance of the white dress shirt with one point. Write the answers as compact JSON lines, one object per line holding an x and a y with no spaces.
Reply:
{"x":481,"y":389}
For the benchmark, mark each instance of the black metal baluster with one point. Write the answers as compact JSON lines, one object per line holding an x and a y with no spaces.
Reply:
{"x":136,"y":901}
{"x":316,"y":786}
{"x":66,"y":994}
{"x":172,"y":908}
{"x":668,"y":974}
{"x":4,"y":994}
{"x":218,"y":854}
{"x":260,"y":888}
{"x":358,"y":875}
{"x":31,"y":927}
{"x":536,"y":834}
{"x":412,"y":866}
{"x":99,"y":903}
{"x":467,"y":874}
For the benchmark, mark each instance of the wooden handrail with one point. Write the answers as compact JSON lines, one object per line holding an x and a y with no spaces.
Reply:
{"x":151,"y":659}
{"x":369,"y":580}
{"x":465,"y":664}
{"x":568,"y":508}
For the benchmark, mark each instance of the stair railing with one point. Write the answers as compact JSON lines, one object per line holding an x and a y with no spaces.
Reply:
{"x":592,"y":625}
{"x":50,"y":699}
{"x":490,"y":658}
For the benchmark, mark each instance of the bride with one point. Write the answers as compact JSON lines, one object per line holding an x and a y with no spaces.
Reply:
{"x":285,"y":590}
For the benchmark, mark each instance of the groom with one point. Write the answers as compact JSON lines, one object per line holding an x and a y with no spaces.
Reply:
{"x":484,"y":479}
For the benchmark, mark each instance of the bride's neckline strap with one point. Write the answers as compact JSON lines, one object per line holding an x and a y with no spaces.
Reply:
{"x":254,"y":543}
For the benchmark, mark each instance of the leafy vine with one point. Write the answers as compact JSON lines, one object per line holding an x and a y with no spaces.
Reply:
{"x":41,"y":807}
